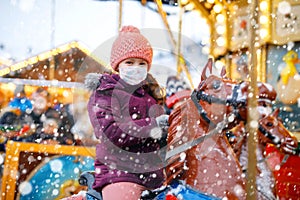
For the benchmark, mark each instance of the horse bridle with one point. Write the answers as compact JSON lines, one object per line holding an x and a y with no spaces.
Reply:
{"x":269,"y":135}
{"x":196,"y":96}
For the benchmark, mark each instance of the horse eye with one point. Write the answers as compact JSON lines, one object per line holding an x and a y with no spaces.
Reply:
{"x":216,"y":85}
{"x":269,"y":124}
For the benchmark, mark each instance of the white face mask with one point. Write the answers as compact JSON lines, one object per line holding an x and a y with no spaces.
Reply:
{"x":133,"y":75}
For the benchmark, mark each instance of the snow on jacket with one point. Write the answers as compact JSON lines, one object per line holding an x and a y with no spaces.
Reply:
{"x":123,"y":118}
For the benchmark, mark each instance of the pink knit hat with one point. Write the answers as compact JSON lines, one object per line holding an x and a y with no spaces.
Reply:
{"x":130,"y":44}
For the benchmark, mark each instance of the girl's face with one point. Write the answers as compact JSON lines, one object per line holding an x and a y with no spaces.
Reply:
{"x":133,"y":70}
{"x":133,"y":62}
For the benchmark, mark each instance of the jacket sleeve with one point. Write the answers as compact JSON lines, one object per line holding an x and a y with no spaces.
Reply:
{"x":123,"y":131}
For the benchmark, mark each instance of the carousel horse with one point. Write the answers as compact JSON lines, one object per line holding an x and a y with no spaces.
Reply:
{"x":211,"y":166}
{"x":282,"y":156}
{"x":270,"y":131}
{"x":236,"y":136}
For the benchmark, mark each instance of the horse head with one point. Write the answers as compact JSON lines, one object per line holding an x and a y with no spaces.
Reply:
{"x":273,"y":131}
{"x":217,"y":96}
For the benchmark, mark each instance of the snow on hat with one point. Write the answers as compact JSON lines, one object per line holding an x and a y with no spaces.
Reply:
{"x":130,"y":44}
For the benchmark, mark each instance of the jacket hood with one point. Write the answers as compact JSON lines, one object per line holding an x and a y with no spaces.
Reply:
{"x":91,"y":81}
{"x":94,"y":81}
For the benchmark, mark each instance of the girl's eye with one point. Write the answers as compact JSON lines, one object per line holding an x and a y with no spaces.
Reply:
{"x":143,"y":63}
{"x":128,"y":62}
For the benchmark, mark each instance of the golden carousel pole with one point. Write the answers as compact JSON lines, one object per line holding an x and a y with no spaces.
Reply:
{"x":120,"y":14}
{"x":179,"y":58}
{"x":252,"y":116}
{"x":174,"y":43}
{"x":165,"y":21}
{"x":181,"y":65}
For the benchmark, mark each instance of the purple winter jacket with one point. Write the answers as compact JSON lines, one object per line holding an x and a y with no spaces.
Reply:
{"x":123,"y":118}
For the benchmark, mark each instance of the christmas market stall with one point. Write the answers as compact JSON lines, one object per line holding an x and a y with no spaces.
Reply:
{"x":46,"y":142}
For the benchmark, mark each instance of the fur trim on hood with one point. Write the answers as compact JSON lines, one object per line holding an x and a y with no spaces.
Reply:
{"x":91,"y":81}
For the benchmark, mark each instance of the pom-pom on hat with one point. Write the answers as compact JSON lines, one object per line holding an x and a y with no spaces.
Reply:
{"x":130,"y":44}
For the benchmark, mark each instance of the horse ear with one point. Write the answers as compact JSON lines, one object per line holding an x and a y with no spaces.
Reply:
{"x":223,"y":72}
{"x":276,"y":112}
{"x":209,"y":66}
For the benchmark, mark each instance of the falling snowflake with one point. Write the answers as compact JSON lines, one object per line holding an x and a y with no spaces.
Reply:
{"x":25,"y":188}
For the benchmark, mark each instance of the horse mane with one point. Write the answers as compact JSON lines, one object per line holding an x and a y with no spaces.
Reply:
{"x":183,"y":120}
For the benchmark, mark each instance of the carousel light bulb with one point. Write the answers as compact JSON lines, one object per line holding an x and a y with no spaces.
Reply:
{"x":45,"y":55}
{"x":220,"y":18}
{"x":217,"y":8}
{"x":263,"y":6}
{"x":263,"y":19}
{"x":220,"y":29}
{"x":219,"y":64}
{"x":54,"y":52}
{"x":4,"y":71}
{"x":33,"y":60}
{"x":263,"y":33}
{"x":211,"y":1}
{"x":63,"y":48}
{"x":66,"y":93}
{"x":218,"y":51}
{"x":189,"y":6}
{"x":220,"y":41}
{"x":18,"y":66}
{"x":184,"y":2}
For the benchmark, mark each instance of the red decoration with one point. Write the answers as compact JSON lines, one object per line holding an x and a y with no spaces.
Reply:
{"x":287,"y":176}
{"x":243,"y":24}
{"x":171,"y":197}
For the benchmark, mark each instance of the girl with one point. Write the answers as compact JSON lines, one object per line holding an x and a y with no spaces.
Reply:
{"x":126,"y":112}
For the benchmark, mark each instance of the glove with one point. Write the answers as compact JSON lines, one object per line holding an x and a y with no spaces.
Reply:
{"x":161,"y":132}
{"x":162,"y":121}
